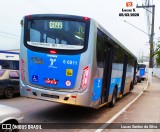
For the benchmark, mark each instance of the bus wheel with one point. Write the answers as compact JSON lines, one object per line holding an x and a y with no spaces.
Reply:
{"x":9,"y":92}
{"x":114,"y":97}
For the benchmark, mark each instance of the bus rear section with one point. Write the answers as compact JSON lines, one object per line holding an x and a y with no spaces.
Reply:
{"x":53,"y":49}
{"x":9,"y":60}
{"x":142,"y":70}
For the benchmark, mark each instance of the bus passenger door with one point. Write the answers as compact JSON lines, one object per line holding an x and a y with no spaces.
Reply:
{"x":124,"y":73}
{"x":108,"y":60}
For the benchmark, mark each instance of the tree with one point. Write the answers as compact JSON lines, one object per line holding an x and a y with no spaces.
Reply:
{"x":157,"y":55}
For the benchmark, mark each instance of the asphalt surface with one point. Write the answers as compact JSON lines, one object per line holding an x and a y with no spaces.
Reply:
{"x":38,"y":111}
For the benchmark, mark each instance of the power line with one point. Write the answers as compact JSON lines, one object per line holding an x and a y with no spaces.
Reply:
{"x":136,"y":27}
{"x":7,"y":33}
{"x":3,"y":35}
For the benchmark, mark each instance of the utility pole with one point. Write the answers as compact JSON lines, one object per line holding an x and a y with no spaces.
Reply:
{"x":151,"y":59}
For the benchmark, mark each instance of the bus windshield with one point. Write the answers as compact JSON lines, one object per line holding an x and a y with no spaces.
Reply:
{"x":56,"y":34}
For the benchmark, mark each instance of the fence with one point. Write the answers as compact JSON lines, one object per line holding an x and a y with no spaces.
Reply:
{"x":156,"y":72}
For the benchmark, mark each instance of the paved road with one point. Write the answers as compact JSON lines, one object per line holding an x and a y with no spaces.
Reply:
{"x":38,"y":111}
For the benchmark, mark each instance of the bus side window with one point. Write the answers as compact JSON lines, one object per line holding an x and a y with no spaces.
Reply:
{"x":100,"y":49}
{"x":118,"y":59}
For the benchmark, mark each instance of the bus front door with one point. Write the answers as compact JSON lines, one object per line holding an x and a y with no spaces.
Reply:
{"x":124,"y":74}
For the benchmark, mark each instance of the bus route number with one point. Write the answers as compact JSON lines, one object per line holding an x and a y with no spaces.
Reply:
{"x":55,"y":25}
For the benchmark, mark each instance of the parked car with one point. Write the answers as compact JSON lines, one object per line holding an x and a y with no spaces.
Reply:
{"x":8,"y":117}
{"x":9,"y":82}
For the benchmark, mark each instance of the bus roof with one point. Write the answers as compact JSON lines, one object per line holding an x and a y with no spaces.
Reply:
{"x":115,"y":40}
{"x":80,"y":17}
{"x":6,"y":55}
{"x":9,"y":52}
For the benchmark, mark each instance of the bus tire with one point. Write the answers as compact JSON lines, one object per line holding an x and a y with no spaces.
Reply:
{"x":8,"y":93}
{"x":114,"y":97}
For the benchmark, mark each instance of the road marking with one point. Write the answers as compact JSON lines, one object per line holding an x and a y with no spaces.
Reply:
{"x":144,"y":89}
{"x":120,"y":112}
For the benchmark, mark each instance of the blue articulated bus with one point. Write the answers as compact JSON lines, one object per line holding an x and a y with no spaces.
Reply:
{"x":142,"y":70}
{"x":73,"y":60}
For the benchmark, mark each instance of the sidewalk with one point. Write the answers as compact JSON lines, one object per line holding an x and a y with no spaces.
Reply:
{"x":146,"y":109}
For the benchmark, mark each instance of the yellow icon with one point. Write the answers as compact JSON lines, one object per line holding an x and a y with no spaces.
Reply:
{"x":69,"y":72}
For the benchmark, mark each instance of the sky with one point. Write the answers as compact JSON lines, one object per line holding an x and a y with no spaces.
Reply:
{"x":104,"y":11}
